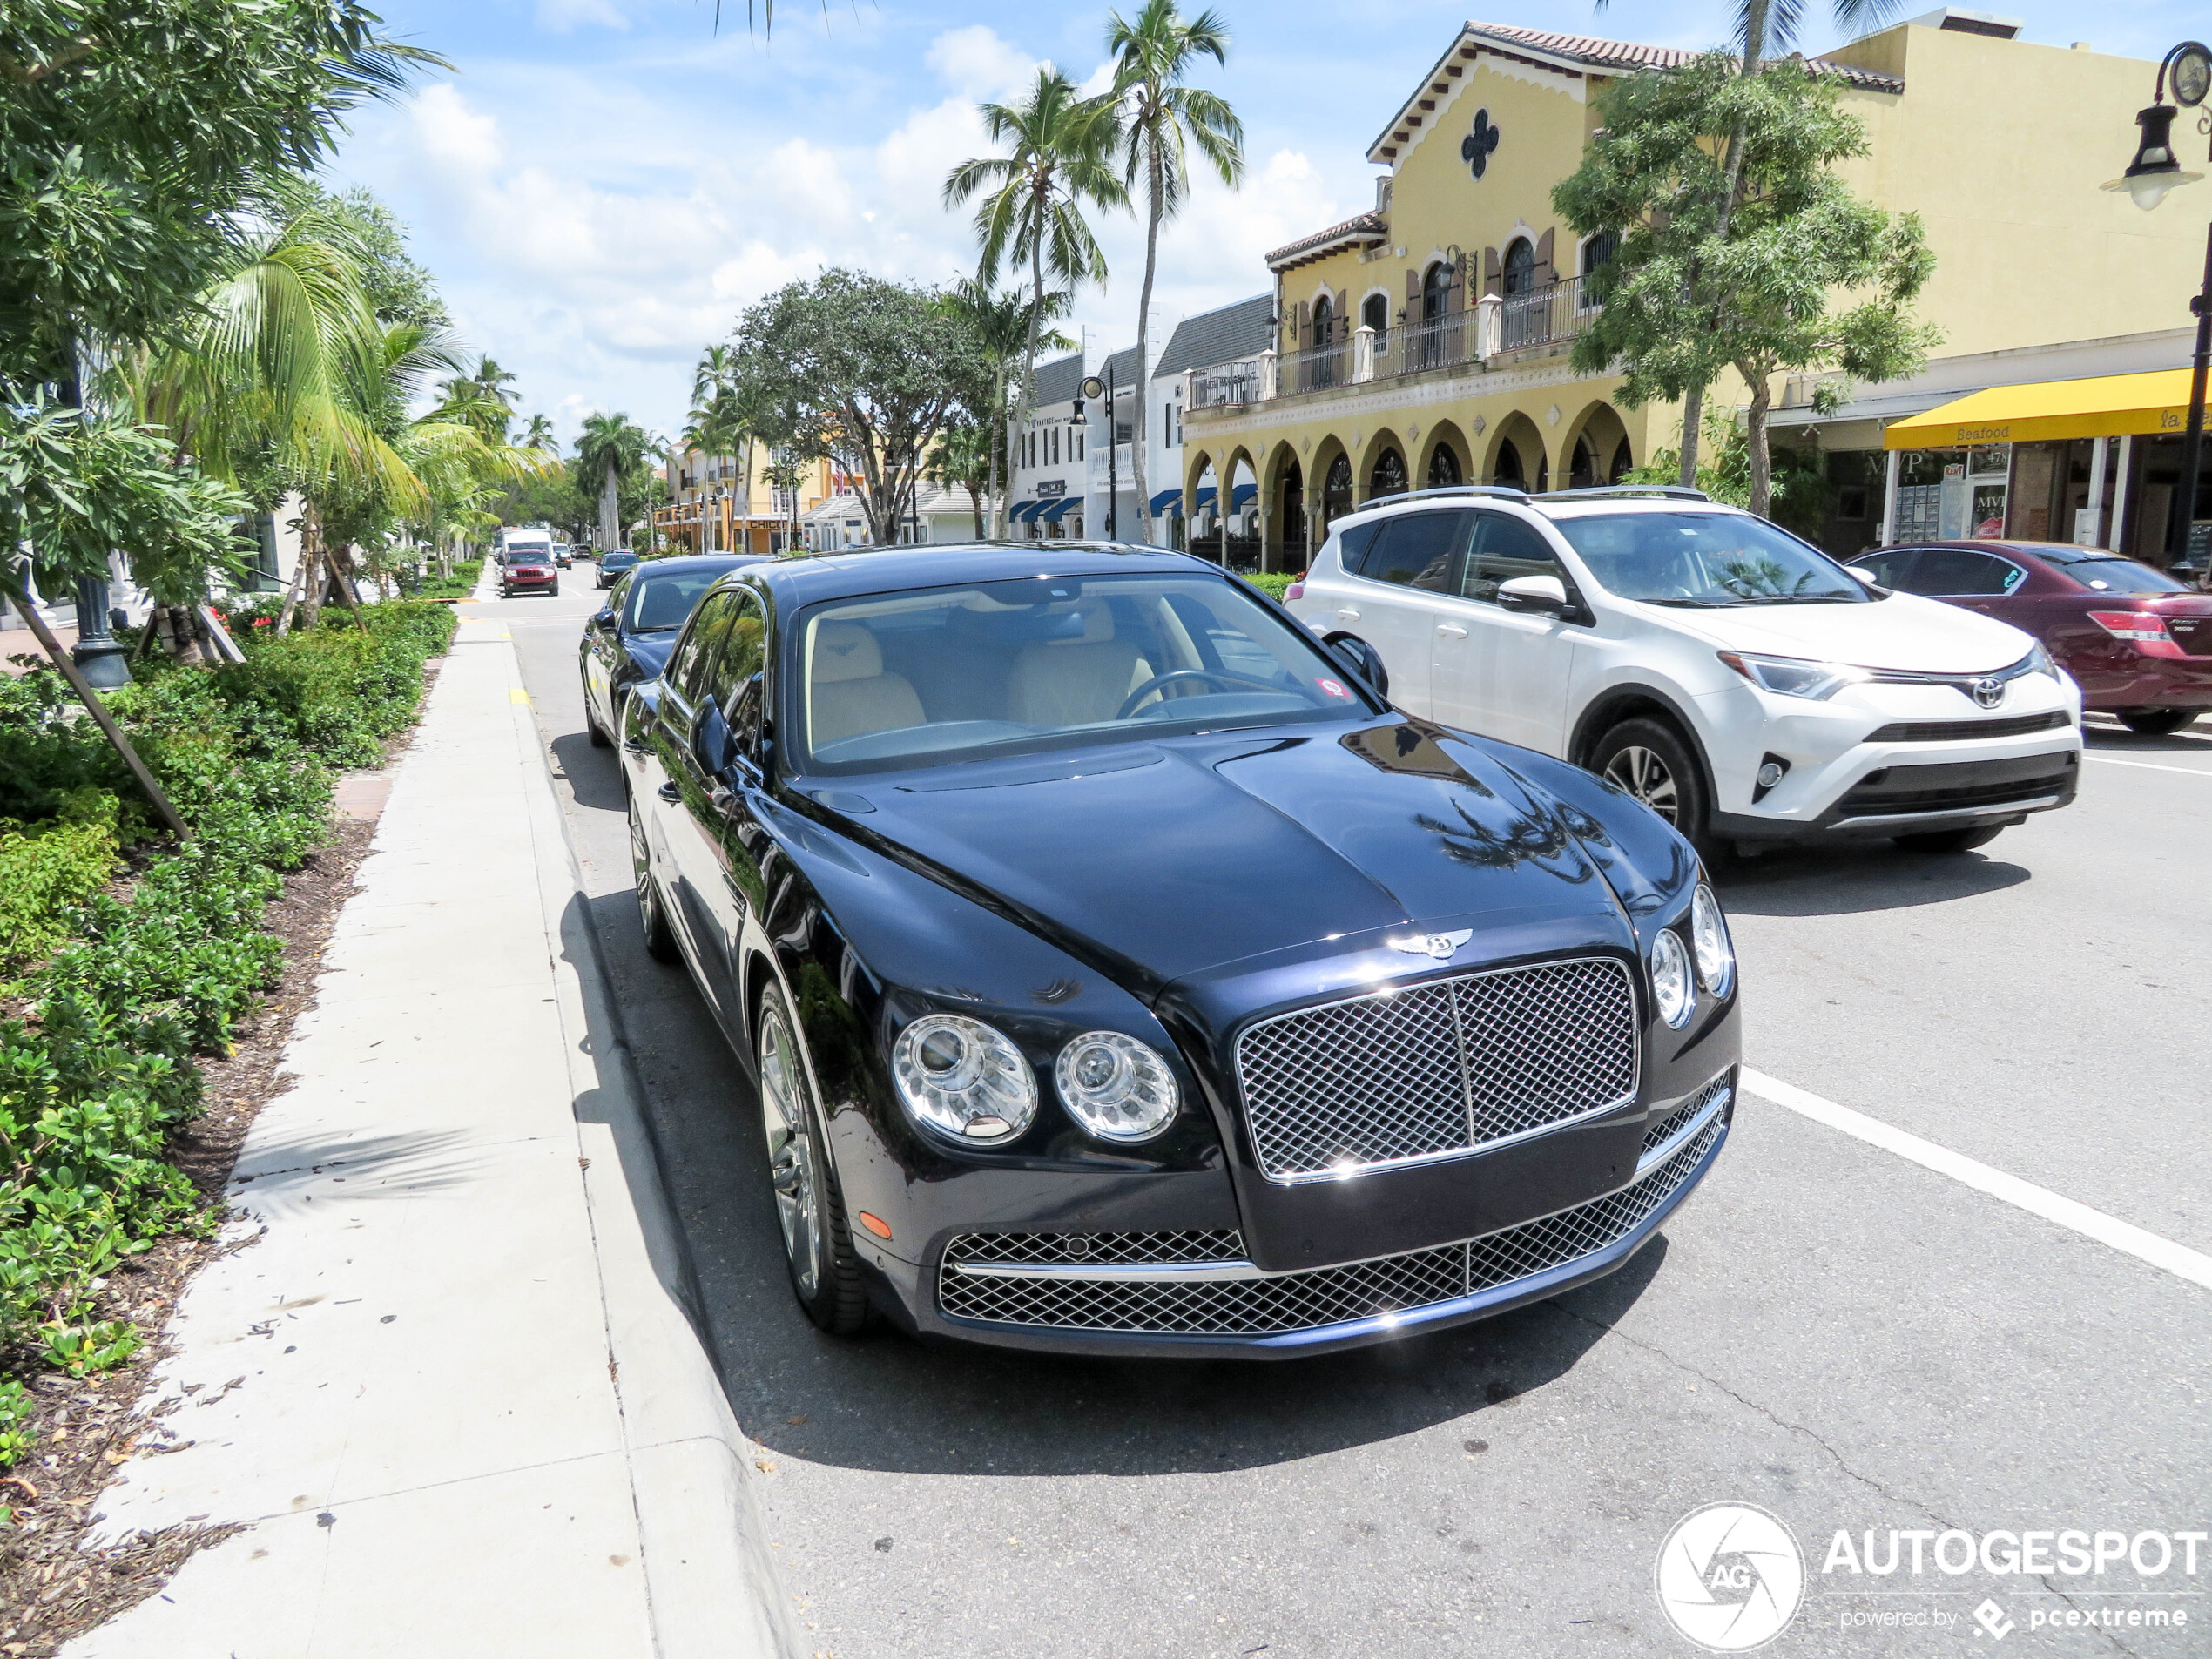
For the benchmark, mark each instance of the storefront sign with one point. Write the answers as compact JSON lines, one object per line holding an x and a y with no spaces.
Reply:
{"x":1052,"y":486}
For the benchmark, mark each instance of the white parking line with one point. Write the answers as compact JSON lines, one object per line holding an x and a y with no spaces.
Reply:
{"x":2146,"y":765}
{"x":2177,"y":1259}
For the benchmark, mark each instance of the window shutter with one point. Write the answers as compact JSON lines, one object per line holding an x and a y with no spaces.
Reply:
{"x":1413,"y":296}
{"x":1545,"y":273}
{"x":1305,"y":327}
{"x":1455,"y":287}
{"x":1344,"y":314}
{"x":1492,"y":273}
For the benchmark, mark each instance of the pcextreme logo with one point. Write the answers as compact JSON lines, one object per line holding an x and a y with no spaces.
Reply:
{"x":1729,"y":1577}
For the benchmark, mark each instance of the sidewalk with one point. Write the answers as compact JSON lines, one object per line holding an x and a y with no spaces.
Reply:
{"x":451,"y":1393}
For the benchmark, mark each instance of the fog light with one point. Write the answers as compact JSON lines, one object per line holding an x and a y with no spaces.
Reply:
{"x":1770,"y":775}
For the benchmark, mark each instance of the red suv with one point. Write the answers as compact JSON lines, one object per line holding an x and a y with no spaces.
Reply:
{"x":528,"y":571}
{"x":2138,"y":642}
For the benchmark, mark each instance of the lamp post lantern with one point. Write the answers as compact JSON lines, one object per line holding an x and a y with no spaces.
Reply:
{"x":1093,"y":386}
{"x":2185,"y":71}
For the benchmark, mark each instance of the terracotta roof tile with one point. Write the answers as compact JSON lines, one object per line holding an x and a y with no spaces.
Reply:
{"x":1367,"y":227}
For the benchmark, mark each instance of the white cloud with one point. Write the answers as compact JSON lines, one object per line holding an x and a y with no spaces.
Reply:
{"x":976,"y":63}
{"x":562,"y":16}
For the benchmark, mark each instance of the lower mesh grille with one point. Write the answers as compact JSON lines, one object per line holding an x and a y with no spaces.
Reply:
{"x":1267,"y":1305}
{"x":1674,"y":1121}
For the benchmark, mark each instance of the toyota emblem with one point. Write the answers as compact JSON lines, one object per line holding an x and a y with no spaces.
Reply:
{"x":1989,"y":692}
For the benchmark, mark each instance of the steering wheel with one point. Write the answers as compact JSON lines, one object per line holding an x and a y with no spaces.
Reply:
{"x":1220,"y":676}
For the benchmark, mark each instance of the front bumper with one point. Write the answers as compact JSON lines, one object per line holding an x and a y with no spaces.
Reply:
{"x":1890,"y":760}
{"x":1193,"y":1292}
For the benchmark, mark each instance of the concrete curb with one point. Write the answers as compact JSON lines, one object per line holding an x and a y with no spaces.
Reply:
{"x":711,"y":1578}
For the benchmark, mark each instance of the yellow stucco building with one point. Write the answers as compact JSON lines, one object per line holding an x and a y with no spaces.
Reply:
{"x":1427,"y":340}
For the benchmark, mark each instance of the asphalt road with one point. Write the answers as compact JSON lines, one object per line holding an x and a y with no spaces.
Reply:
{"x":1828,"y":1331}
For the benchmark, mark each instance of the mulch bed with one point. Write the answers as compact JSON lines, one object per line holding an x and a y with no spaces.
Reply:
{"x":51,"y":1588}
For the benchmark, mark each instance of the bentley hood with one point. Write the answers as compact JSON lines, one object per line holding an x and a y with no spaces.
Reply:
{"x":1173,"y":858}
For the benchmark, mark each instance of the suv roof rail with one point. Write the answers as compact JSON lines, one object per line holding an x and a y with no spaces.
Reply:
{"x":1601,"y":492}
{"x":1512,"y":492}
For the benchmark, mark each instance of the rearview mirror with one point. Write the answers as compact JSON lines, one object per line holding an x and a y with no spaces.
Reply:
{"x":1544,"y":594}
{"x":1363,"y":660}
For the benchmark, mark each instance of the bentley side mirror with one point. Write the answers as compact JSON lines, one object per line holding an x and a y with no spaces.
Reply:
{"x":604,"y":621}
{"x":1363,"y":660}
{"x":1541,"y":595}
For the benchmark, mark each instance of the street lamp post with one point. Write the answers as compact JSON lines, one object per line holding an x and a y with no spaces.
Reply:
{"x":1096,"y":388}
{"x":2187,"y":70}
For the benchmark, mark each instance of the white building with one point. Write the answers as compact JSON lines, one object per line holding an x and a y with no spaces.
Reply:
{"x":1049,"y":485}
{"x":936,"y":515}
{"x":1206,"y":360}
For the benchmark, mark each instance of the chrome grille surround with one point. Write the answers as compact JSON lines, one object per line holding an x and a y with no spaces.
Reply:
{"x":1661,"y":1135}
{"x":1440,"y":1069}
{"x":1219,"y":1299}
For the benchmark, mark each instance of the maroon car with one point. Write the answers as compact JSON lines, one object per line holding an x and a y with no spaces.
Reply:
{"x":2139,"y":643}
{"x":528,"y":569}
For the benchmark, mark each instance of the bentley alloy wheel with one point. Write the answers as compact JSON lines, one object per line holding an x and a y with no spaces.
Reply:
{"x":810,"y":1211}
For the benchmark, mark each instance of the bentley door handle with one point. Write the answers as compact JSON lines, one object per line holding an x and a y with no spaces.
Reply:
{"x":670,"y":794}
{"x":1451,"y":631}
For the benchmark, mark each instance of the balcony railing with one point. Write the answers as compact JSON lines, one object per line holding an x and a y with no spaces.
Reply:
{"x":1498,"y":327}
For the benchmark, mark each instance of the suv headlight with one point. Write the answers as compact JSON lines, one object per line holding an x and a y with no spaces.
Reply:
{"x":1115,"y":1087}
{"x":1793,"y":676}
{"x":1709,"y":943}
{"x":962,"y":1078}
{"x":2039,"y":662}
{"x":1670,"y":987}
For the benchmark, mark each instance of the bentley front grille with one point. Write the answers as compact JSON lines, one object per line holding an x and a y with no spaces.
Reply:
{"x":1438,"y":1069}
{"x":1110,"y":1284}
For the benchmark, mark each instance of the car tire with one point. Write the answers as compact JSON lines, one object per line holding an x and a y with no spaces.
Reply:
{"x":1651,"y":761}
{"x":652,"y":909}
{"x":825,"y":1269}
{"x":592,"y":729}
{"x":1943,"y":843}
{"x":2156,"y":723}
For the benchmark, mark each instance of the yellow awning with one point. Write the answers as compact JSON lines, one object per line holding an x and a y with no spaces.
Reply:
{"x":2103,"y":407}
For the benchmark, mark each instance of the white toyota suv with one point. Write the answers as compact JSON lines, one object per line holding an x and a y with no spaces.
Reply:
{"x":1743,"y":684}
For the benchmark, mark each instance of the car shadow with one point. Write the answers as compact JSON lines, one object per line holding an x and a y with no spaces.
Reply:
{"x":1849,"y":880}
{"x":594,"y":776}
{"x":888,"y":1403}
{"x":2194,"y":740}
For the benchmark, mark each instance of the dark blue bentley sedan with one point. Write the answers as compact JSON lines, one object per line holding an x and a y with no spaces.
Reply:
{"x":1122,"y":973}
{"x":629,"y":640}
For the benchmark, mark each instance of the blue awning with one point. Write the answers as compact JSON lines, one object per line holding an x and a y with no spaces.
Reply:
{"x":1243,"y":497}
{"x":1024,"y":509}
{"x":1160,"y":501}
{"x":1203,"y":499}
{"x":1053,"y":512}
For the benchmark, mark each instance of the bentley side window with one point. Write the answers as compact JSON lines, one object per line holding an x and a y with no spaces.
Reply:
{"x":692,"y":669}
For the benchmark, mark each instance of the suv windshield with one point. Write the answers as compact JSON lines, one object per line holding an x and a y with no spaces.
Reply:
{"x":659,"y":603}
{"x":954,"y":673}
{"x":1705,"y":559}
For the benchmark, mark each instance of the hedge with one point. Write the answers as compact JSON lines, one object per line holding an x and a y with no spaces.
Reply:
{"x":120,"y":989}
{"x":1274,"y":585}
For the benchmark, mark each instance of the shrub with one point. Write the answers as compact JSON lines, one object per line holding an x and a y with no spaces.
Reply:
{"x":1274,"y":586}
{"x":119,"y":992}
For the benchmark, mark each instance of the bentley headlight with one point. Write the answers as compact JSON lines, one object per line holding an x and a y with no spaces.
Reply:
{"x":1709,"y":943}
{"x":1670,"y":987}
{"x":964,"y":1079}
{"x":1117,"y":1088}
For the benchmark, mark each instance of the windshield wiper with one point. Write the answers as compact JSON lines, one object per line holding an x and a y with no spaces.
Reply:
{"x":1698,"y":604}
{"x":1803,"y":599}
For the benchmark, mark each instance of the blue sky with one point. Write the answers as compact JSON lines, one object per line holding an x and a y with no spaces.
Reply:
{"x":602,"y":185}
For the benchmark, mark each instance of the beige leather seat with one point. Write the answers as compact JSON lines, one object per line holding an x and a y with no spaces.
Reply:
{"x":1077,"y":682}
{"x":849,"y":694}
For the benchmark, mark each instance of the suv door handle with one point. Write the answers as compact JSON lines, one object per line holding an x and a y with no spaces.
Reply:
{"x":1451,"y":631}
{"x":670,"y":794}
{"x":1345,"y":613}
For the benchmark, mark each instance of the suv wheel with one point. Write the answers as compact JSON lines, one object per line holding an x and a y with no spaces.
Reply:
{"x":1648,"y":759}
{"x":802,"y":1178}
{"x":2156,"y":723}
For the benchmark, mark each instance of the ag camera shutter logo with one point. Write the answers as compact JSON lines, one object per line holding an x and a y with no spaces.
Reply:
{"x":1729,"y":1577}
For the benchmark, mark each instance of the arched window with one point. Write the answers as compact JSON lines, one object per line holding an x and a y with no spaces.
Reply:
{"x":1443,"y":466}
{"x":1336,"y":488}
{"x":1623,"y":460}
{"x":1389,"y":477}
{"x":1599,"y":250}
{"x":1520,"y":267}
{"x":1323,"y":321}
{"x":1375,"y":313}
{"x":1436,"y":282}
{"x":1509,"y":471}
{"x":1583,"y":473}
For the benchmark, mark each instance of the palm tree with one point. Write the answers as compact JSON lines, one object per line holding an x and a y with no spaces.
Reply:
{"x":539,"y":434}
{"x":1061,"y":147}
{"x":718,"y":428}
{"x":1161,"y":118}
{"x":611,"y":448}
{"x":716,"y":373}
{"x":493,"y":379}
{"x":965,"y":458}
{"x":1000,"y":323}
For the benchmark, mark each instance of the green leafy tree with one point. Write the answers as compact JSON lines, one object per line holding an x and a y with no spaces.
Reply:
{"x":1798,"y":273}
{"x":1162,"y":121}
{"x":1060,"y":157}
{"x":861,"y":370}
{"x":132,"y":135}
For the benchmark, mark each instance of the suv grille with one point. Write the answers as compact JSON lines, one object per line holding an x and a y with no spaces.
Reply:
{"x":1438,"y":1069}
{"x":1265,"y":1305}
{"x":1950,"y":731}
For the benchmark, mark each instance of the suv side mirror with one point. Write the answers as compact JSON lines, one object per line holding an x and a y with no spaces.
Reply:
{"x":1363,"y":660}
{"x":1865,"y":575}
{"x":1543,"y":594}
